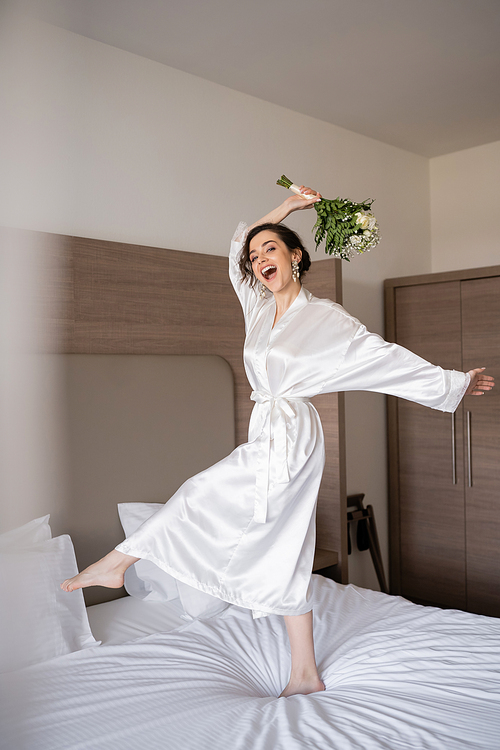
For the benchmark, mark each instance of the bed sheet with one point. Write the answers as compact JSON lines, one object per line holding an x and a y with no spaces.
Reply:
{"x":398,"y":677}
{"x":126,"y":619}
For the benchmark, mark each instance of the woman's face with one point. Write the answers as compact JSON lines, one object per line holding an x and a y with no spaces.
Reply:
{"x":272,"y":261}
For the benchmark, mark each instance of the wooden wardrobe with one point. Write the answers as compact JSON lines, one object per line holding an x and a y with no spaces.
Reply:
{"x":445,"y":469}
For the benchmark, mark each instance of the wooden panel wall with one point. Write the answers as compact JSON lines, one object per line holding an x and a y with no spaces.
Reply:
{"x":121,"y":298}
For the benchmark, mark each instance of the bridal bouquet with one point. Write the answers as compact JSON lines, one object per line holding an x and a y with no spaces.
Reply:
{"x":348,"y":227}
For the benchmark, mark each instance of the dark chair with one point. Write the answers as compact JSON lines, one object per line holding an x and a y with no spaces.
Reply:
{"x":366,"y":534}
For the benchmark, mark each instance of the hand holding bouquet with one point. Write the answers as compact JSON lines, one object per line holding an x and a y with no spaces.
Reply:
{"x":348,"y":227}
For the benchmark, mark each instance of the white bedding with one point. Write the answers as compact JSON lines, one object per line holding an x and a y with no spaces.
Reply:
{"x":398,"y":677}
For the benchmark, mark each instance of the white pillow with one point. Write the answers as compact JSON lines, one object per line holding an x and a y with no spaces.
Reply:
{"x":145,"y":580}
{"x":199,"y":605}
{"x":39,"y":621}
{"x":33,"y":532}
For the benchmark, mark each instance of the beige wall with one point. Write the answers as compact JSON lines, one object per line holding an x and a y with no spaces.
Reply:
{"x":102,"y":143}
{"x":465,"y":192}
{"x":32,"y":459}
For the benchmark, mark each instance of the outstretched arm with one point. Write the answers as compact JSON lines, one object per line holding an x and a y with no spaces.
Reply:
{"x":372,"y":364}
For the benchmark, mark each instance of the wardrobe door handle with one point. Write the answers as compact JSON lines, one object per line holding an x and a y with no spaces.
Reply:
{"x":453,"y":450}
{"x":469,"y":449}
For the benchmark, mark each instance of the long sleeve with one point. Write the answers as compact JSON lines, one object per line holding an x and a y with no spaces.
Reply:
{"x":372,"y":364}
{"x":247,"y":294}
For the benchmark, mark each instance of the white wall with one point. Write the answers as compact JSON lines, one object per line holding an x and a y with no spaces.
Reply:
{"x":465,"y":191}
{"x":103,"y":143}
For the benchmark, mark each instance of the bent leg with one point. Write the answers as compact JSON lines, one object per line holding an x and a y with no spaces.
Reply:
{"x":108,"y":571}
{"x":304,"y":677}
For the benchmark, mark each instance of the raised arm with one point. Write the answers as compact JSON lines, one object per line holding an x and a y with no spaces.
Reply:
{"x":291,"y":204}
{"x":247,"y":294}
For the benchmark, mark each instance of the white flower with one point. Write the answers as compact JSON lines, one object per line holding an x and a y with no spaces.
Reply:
{"x":367,"y":221}
{"x":367,"y":233}
{"x":362,"y":219}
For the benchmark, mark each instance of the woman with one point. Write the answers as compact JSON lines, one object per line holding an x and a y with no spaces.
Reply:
{"x":244,"y":530}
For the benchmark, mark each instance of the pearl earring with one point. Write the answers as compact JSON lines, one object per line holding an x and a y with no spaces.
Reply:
{"x":262,"y":292}
{"x":295,"y":270}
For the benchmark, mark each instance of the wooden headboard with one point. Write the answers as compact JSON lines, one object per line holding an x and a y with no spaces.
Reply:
{"x":115,"y":298}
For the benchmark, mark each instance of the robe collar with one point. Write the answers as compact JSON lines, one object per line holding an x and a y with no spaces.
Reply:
{"x":300,"y":301}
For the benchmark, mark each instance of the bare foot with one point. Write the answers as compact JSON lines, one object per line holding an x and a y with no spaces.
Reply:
{"x":303,"y":687}
{"x":107,"y":572}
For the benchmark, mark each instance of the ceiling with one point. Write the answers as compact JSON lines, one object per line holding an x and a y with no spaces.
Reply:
{"x":423,"y":75}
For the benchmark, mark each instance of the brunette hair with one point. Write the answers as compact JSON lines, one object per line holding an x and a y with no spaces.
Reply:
{"x":288,"y":236}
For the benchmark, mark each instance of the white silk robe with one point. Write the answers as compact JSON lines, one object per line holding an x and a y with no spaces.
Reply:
{"x":244,"y":529}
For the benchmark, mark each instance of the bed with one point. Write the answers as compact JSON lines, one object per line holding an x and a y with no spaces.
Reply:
{"x":397,"y":675}
{"x":155,"y":671}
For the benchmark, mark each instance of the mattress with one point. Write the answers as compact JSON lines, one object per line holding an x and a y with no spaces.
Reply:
{"x":398,"y":677}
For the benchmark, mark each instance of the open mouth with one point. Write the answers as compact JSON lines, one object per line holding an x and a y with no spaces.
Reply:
{"x":269,"y":272}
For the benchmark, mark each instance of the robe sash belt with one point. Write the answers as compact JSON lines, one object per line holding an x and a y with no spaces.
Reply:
{"x":273,"y":426}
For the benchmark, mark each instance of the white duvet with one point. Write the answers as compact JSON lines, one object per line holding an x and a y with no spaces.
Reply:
{"x":398,"y":676}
